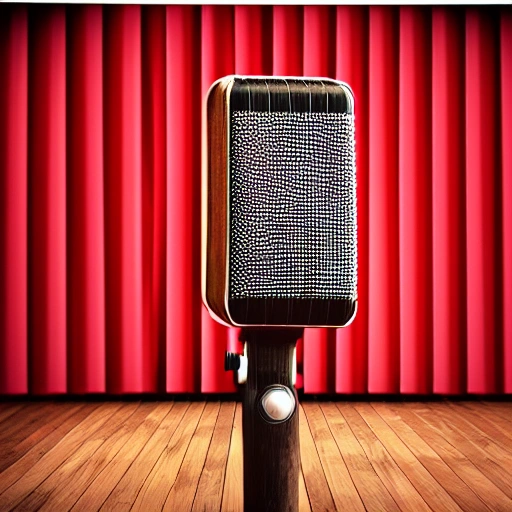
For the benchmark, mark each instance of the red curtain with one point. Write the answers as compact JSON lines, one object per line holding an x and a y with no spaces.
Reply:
{"x":100,"y":194}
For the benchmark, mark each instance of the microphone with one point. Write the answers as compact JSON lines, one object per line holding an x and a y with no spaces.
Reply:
{"x":281,"y":231}
{"x":279,"y":248}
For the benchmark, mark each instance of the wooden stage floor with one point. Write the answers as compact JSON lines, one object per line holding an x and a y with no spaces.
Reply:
{"x":181,"y":456}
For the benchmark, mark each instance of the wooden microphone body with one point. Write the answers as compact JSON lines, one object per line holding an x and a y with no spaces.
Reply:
{"x":279,"y":248}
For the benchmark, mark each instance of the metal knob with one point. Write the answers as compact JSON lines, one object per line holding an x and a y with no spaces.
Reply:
{"x":277,"y":404}
{"x":237,"y":363}
{"x":231,"y":361}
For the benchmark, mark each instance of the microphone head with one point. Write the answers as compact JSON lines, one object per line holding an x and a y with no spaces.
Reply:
{"x":279,"y":202}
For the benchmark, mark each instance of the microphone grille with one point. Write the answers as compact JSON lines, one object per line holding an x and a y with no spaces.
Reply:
{"x":293,"y":229}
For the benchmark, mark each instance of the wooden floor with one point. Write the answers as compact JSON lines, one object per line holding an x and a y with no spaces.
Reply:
{"x":185,"y":456}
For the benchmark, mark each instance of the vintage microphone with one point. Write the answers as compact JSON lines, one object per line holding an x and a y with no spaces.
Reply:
{"x":279,"y":249}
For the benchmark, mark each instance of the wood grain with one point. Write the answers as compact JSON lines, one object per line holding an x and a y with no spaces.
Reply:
{"x":462,"y":494}
{"x":64,"y":449}
{"x":79,"y":472}
{"x":340,"y":482}
{"x":40,"y":448}
{"x":503,"y":409}
{"x":211,"y":483}
{"x":233,"y":498}
{"x":319,"y":494}
{"x":162,"y":476}
{"x":7,"y":410}
{"x":304,"y":505}
{"x":271,"y":450}
{"x":491,"y":416}
{"x":112,"y":468}
{"x":129,"y":486}
{"x":373,"y":492}
{"x":189,"y":455}
{"x":432,"y":492}
{"x":118,"y":456}
{"x":18,"y":447}
{"x":487,"y":424}
{"x":116,"y":466}
{"x":216,"y":204}
{"x":483,"y":452}
{"x":399,"y":486}
{"x":12,"y":432}
{"x":453,"y":456}
{"x":93,"y":466}
{"x":183,"y":491}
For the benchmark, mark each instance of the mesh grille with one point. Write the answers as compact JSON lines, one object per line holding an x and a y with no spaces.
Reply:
{"x":293,"y":205}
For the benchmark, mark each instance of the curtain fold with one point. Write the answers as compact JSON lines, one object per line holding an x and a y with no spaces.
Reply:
{"x":154,"y":193}
{"x":123,"y":198}
{"x":47,"y":261}
{"x":101,"y":121}
{"x":351,"y":66}
{"x":448,"y":205}
{"x":14,"y":202}
{"x":482,"y":203}
{"x":506,"y":189}
{"x":414,"y":204}
{"x":383,"y":250}
{"x":183,"y":117}
{"x":217,"y":60}
{"x":86,"y":209}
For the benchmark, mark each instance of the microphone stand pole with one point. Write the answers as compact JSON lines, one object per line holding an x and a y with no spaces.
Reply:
{"x":270,"y":443}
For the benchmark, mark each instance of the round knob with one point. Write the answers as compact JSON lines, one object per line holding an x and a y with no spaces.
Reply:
{"x":278,"y":404}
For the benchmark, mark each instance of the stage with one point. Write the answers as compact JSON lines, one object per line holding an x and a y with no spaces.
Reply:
{"x":187,"y":455}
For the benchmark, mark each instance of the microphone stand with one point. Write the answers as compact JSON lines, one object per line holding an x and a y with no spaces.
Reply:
{"x":270,"y":443}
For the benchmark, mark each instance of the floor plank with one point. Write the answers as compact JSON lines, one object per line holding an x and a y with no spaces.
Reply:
{"x":79,"y":471}
{"x":127,"y":489}
{"x":373,"y":492}
{"x":398,"y":485}
{"x":480,"y":450}
{"x":343,"y":490}
{"x":304,"y":505}
{"x":458,"y":462}
{"x":462,"y":493}
{"x":183,"y":491}
{"x":105,"y":456}
{"x":39,"y":449}
{"x":431,"y":491}
{"x":23,"y":425}
{"x":504,"y":425}
{"x":320,"y":497}
{"x":18,"y":416}
{"x":182,"y":456}
{"x":51,"y":460}
{"x":503,"y":409}
{"x":484,"y":424}
{"x":8,"y":409}
{"x":118,"y":463}
{"x":233,"y":498}
{"x":159,"y":481}
{"x":208,"y":497}
{"x":46,"y":427}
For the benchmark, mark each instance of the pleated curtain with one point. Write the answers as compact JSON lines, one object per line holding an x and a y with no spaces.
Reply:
{"x":100,"y":194}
